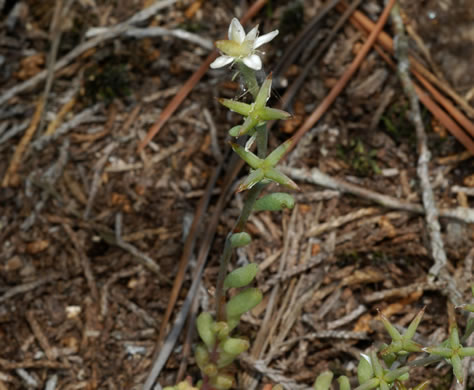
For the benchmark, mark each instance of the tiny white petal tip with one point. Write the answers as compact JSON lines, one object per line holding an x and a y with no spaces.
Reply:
{"x":253,"y":61}
{"x":236,"y":31}
{"x":264,"y":39}
{"x":221,"y":61}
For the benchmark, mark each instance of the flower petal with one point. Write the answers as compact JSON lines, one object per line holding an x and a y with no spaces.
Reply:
{"x":265,"y":39}
{"x":236,"y":31}
{"x":253,"y":61}
{"x":252,"y":35}
{"x":221,"y":61}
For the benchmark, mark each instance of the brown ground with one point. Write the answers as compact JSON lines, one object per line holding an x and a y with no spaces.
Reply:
{"x":77,"y":303}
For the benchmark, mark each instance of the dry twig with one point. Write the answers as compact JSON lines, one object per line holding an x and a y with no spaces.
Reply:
{"x":112,"y":33}
{"x":10,"y":174}
{"x":424,"y":155}
{"x":342,"y":82}
{"x":315,"y":176}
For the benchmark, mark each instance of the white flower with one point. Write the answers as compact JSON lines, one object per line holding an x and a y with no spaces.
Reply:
{"x":241,"y":46}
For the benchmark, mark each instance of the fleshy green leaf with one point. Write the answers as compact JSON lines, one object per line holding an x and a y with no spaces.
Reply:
{"x":275,"y":202}
{"x":413,"y":325}
{"x":392,"y":331}
{"x":323,"y":381}
{"x":238,"y":240}
{"x":225,"y":359}
{"x":454,"y":337}
{"x":235,"y":346}
{"x":466,"y":351}
{"x":222,"y":381}
{"x":365,"y":372}
{"x":241,"y":277}
{"x":457,"y":368}
{"x":247,"y":156}
{"x":235,"y":131}
{"x":204,"y":324}
{"x":278,"y":177}
{"x":370,"y":384}
{"x":263,"y":93}
{"x":243,"y":302}
{"x":378,"y":370}
{"x":269,"y":114}
{"x":253,"y":178}
{"x":248,"y":126}
{"x":344,"y":383}
{"x":391,"y":375}
{"x":440,"y":351}
{"x":202,"y":355}
{"x":272,"y":159}
{"x":238,"y":107}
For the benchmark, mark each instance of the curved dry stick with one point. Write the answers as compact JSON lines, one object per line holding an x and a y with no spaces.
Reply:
{"x":386,"y":41}
{"x":444,"y":118}
{"x":190,"y":83}
{"x":342,"y":82}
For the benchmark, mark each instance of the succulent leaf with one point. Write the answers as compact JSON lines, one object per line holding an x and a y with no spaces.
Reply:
{"x":243,"y":302}
{"x":204,"y":324}
{"x":323,"y":381}
{"x":241,"y":277}
{"x":276,"y":201}
{"x":238,"y":240}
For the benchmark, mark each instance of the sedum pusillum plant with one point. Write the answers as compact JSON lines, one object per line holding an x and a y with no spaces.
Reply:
{"x":383,"y":369}
{"x":218,"y":347}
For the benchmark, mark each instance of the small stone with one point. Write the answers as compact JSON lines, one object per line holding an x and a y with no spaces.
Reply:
{"x":37,"y":246}
{"x":13,"y":264}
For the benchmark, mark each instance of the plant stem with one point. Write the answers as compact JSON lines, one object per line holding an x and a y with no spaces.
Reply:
{"x":224,"y":263}
{"x":262,"y":140}
{"x":252,"y":196}
{"x":250,"y":79}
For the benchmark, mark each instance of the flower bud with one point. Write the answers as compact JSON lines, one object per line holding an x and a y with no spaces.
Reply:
{"x":242,"y":276}
{"x":243,"y":302}
{"x":210,"y":370}
{"x":323,"y":381}
{"x":221,"y":329}
{"x":204,"y":324}
{"x":238,"y":240}
{"x":275,"y":202}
